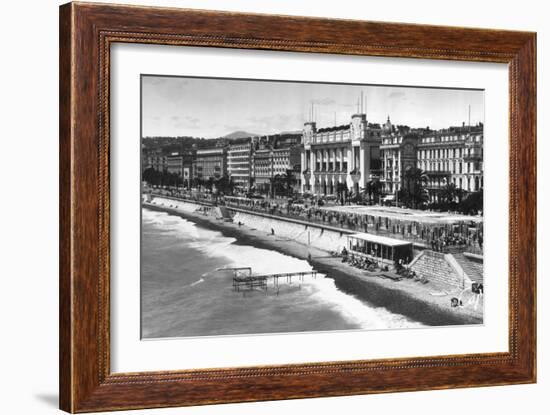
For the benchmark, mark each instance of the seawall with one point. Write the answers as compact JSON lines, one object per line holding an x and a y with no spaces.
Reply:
{"x":315,"y":236}
{"x":318,"y":236}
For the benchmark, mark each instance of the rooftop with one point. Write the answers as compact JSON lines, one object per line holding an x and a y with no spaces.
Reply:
{"x":335,"y":128}
{"x":383,"y":240}
{"x":211,"y":150}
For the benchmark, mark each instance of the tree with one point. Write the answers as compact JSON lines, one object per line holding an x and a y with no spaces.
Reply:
{"x":251,"y":186}
{"x":374,"y":189}
{"x":290,"y":181}
{"x":448,"y":194}
{"x":197,"y":182}
{"x":225,"y":184}
{"x":342,"y":192}
{"x":277,"y":184}
{"x":209,"y":184}
{"x":451,"y":194}
{"x":414,"y":193}
{"x":161,"y":178}
{"x":151,"y":176}
{"x":472,"y":204}
{"x":148,"y":175}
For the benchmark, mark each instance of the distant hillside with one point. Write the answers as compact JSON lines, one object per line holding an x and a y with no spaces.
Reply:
{"x":176,"y":143}
{"x":239,"y":134}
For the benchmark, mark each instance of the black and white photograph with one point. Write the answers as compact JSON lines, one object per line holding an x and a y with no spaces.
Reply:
{"x":280,"y":206}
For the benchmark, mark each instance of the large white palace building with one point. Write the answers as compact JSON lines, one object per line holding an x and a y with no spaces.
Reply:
{"x":347,"y":155}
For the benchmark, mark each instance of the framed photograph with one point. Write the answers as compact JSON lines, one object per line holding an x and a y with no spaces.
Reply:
{"x":258,"y":207}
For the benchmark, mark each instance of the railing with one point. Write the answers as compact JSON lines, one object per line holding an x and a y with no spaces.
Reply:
{"x":350,"y":222}
{"x":321,"y":217}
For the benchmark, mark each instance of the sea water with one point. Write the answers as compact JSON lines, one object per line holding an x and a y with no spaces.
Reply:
{"x":184,"y":293}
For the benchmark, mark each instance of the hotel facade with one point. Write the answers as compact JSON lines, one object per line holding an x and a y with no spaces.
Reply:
{"x":346,"y":155}
{"x":452,"y":156}
{"x":449,"y":156}
{"x":211,"y":163}
{"x":239,"y":162}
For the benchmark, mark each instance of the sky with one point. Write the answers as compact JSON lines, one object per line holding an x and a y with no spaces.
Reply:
{"x":211,"y":108}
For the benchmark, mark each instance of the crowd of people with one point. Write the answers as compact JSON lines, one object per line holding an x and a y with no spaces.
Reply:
{"x":439,"y":237}
{"x":447,"y":243}
{"x":371,"y":265}
{"x":362,"y":262}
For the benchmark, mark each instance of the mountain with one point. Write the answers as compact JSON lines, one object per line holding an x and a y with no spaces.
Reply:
{"x":239,"y":134}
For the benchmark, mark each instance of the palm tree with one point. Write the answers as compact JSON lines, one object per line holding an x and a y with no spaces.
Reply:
{"x":374,"y":188}
{"x":449,"y":193}
{"x":277,"y":184}
{"x":473,"y":203}
{"x":414,"y":189}
{"x":225,"y":184}
{"x":290,"y":180}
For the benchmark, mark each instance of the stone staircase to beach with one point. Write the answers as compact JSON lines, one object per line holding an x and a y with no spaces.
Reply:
{"x":224,"y":213}
{"x":435,"y":267}
{"x":473,"y":267}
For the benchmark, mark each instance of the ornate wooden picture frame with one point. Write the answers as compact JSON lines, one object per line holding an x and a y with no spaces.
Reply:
{"x":87,"y":32}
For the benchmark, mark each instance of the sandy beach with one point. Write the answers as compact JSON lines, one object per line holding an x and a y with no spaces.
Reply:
{"x":406,"y":297}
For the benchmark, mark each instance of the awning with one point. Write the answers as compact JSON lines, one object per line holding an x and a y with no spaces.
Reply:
{"x":377,"y":239}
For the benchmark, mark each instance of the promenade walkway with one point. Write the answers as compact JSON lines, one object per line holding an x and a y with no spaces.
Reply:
{"x":435,"y":230}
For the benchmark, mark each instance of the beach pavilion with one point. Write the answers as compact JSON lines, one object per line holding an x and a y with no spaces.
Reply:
{"x":380,"y":248}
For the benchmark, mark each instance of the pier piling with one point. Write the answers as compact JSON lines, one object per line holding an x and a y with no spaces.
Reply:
{"x":250,"y":282}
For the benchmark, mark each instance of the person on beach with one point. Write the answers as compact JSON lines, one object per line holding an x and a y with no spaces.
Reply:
{"x":344,"y":252}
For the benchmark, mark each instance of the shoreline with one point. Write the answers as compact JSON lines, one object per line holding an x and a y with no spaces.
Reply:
{"x":405,"y":297}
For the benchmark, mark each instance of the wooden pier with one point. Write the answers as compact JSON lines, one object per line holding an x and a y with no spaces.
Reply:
{"x":250,"y":282}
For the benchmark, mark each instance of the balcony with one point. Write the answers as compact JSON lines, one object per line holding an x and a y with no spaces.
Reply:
{"x":475,"y":154}
{"x":438,"y":173}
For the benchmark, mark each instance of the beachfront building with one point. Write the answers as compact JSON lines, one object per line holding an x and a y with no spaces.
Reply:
{"x":398,"y":154}
{"x":449,"y":156}
{"x":286,"y":162}
{"x":262,"y":169}
{"x":269,"y":163}
{"x":285,"y":159}
{"x":189,"y":173}
{"x":239,"y":162}
{"x":285,"y":140}
{"x":155,"y":159}
{"x":344,"y":155}
{"x":380,"y":248}
{"x":211,"y":163}
{"x":452,"y":156}
{"x":181,"y":163}
{"x":174,"y":163}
